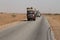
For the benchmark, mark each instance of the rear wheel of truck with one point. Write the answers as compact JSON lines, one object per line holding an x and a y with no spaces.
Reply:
{"x":34,"y":19}
{"x":28,"y":19}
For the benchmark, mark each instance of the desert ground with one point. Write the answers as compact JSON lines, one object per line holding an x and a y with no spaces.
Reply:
{"x":54,"y":21}
{"x":6,"y":18}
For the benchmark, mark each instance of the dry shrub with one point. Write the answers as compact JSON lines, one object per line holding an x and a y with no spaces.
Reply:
{"x":13,"y":15}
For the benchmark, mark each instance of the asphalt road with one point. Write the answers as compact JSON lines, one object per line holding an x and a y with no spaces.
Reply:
{"x":29,"y":30}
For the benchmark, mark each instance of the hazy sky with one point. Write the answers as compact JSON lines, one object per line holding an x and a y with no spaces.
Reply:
{"x":20,"y":5}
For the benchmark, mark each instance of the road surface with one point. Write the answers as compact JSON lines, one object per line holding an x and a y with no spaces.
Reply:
{"x":28,"y":30}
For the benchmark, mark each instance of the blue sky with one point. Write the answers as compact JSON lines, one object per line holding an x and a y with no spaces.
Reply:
{"x":19,"y":6}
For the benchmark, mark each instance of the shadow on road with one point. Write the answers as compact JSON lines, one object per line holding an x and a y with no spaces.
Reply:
{"x":26,"y":20}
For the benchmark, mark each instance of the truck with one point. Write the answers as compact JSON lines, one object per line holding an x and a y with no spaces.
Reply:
{"x":38,"y":14}
{"x":31,"y":15}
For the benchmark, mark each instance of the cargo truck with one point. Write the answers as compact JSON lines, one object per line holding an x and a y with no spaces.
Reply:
{"x":31,"y":15}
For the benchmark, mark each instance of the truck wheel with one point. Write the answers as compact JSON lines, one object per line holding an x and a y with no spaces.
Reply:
{"x":28,"y":19}
{"x":34,"y":19}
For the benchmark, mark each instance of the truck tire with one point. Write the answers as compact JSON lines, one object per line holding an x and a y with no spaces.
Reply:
{"x":34,"y":19}
{"x":28,"y":19}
